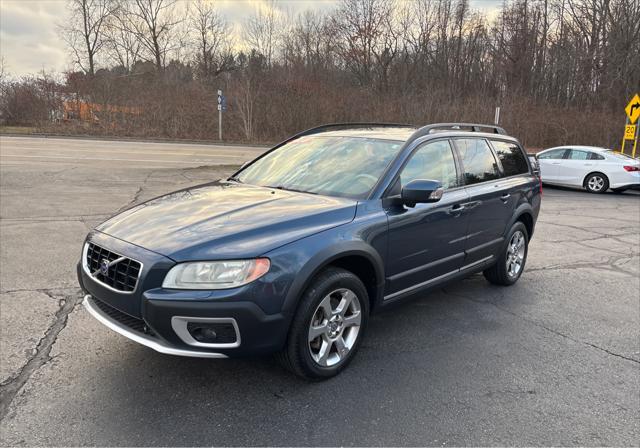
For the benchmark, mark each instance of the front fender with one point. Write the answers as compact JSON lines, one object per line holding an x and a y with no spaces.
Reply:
{"x":304,"y":259}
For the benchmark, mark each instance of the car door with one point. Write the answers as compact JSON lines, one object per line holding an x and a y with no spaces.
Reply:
{"x":549,"y":163}
{"x":574,"y":167}
{"x":517,"y":176}
{"x":426,"y":241}
{"x":490,"y":204}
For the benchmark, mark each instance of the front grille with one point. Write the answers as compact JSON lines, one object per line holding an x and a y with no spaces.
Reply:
{"x":130,"y":322}
{"x":122,"y":273}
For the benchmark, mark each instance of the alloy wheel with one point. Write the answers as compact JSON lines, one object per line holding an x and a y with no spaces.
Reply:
{"x":334,"y":327}
{"x":515,"y":254}
{"x":596,"y":183}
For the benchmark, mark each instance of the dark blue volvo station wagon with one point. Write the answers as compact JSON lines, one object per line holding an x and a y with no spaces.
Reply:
{"x":292,"y":253}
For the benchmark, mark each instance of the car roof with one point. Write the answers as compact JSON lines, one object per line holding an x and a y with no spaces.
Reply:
{"x":586,"y":148}
{"x":400,"y":133}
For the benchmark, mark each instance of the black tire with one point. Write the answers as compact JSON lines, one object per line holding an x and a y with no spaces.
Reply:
{"x":297,"y":353}
{"x":498,"y":274}
{"x":596,"y":183}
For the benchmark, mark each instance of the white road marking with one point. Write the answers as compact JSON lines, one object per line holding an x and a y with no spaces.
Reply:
{"x":110,"y":159}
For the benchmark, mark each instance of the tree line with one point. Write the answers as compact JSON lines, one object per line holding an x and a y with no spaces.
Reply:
{"x":561,"y":70}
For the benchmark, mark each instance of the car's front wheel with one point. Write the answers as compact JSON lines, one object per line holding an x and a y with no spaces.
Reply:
{"x":328,"y":326}
{"x":512,"y":259}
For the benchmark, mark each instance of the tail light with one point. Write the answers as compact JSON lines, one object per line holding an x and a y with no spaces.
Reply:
{"x":631,"y":168}
{"x":540,"y":180}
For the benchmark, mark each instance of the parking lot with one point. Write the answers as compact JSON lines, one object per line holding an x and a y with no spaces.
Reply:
{"x":553,"y":360}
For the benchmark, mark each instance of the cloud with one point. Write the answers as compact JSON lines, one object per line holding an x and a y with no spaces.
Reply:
{"x":29,"y":40}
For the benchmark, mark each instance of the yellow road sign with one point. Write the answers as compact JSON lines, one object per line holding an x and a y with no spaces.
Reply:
{"x":633,"y":109}
{"x":630,"y":132}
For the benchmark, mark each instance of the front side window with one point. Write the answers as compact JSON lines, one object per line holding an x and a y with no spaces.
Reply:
{"x":511,"y":157}
{"x":553,"y":154}
{"x":477,"y":159}
{"x":332,"y":166}
{"x":432,"y":161}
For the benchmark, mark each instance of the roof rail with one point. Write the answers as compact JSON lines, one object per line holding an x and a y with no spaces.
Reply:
{"x":474,"y":127}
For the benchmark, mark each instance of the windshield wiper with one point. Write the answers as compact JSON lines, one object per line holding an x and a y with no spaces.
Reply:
{"x":282,"y":187}
{"x":235,"y":179}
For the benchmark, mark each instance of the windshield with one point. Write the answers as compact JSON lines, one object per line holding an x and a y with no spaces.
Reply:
{"x":333,"y":166}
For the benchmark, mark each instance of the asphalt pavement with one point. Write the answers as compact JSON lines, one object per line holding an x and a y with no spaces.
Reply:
{"x":553,"y":360}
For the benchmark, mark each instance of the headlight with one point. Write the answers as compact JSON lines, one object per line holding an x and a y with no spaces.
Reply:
{"x":215,"y":274}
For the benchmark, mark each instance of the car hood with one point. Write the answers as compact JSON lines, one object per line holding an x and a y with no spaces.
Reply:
{"x":227,"y":220}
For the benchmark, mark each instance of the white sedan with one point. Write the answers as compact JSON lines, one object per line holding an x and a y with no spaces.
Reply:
{"x":589,"y":167}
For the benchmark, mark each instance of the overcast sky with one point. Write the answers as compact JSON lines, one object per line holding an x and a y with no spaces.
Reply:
{"x":29,"y":41}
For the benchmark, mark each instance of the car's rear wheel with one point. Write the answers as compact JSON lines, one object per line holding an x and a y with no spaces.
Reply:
{"x":512,"y":259}
{"x":596,"y":183}
{"x":328,"y":326}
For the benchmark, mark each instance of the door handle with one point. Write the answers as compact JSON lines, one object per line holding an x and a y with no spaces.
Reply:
{"x":555,"y":163}
{"x":505,"y":197}
{"x":456,"y":209}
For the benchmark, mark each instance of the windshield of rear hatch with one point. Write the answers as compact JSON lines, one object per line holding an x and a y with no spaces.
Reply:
{"x":619,"y":155}
{"x":332,"y":166}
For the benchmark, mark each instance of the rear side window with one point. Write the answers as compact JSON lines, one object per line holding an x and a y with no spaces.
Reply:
{"x":576,"y":154}
{"x":595,"y":156}
{"x":432,"y":161}
{"x":477,"y":158}
{"x":511,"y":157}
{"x":554,"y":154}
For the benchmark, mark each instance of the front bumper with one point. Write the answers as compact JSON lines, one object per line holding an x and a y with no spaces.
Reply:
{"x":149,"y":341}
{"x":163,"y":326}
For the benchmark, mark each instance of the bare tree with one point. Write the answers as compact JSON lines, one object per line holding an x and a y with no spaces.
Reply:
{"x":84,"y":31}
{"x":246,"y":89}
{"x":261,"y":30}
{"x":154,"y":24}
{"x":212,"y":40}
{"x":122,"y":44}
{"x":309,"y":42}
{"x":365,"y":36}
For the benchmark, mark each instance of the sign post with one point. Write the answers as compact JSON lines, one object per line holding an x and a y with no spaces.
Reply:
{"x":631,"y":128}
{"x":222,"y":105}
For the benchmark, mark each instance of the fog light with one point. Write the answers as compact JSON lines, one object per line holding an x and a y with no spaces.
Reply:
{"x":205,"y":334}
{"x":214,"y":332}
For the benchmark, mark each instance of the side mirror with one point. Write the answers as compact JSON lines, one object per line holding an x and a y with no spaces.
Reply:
{"x":421,"y":191}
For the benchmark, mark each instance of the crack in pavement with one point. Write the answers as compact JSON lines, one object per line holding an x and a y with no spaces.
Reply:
{"x":137,"y":195}
{"x":539,"y":325}
{"x":10,"y":388}
{"x":46,"y":291}
{"x":605,"y":265}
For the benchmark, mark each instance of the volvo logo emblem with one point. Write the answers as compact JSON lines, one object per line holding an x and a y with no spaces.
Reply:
{"x":104,"y":267}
